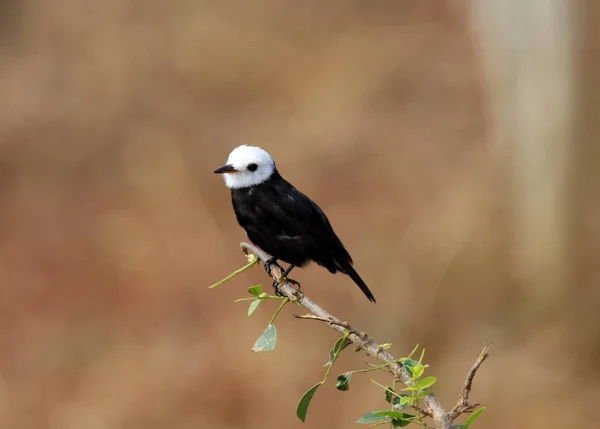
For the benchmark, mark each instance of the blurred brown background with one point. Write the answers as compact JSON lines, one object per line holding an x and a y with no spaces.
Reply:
{"x":397,"y":117}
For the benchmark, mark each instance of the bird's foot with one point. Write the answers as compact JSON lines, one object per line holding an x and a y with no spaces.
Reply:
{"x":269,"y":263}
{"x":294,"y":282}
{"x":276,"y":283}
{"x":276,"y":288}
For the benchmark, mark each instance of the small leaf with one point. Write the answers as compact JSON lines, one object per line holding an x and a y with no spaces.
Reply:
{"x":399,"y":401}
{"x":406,"y":401}
{"x":253,"y":306}
{"x":343,"y":381}
{"x":418,"y":371}
{"x":339,"y":345}
{"x":423,"y":394}
{"x":266,"y":342}
{"x":424,"y":383}
{"x":391,"y":396}
{"x":371,"y":418}
{"x":396,"y":418}
{"x":473,"y":417}
{"x":405,"y":421}
{"x":385,"y":346}
{"x":409,"y":364}
{"x":255,"y":290}
{"x":304,"y":402}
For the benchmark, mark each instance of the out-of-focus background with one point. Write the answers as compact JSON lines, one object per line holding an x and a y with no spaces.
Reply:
{"x":453,"y":144}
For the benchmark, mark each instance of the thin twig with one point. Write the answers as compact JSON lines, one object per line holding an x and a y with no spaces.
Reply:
{"x":332,"y":321}
{"x":463,"y":406}
{"x":251,"y":262}
{"x":313,"y":317}
{"x":363,"y":341}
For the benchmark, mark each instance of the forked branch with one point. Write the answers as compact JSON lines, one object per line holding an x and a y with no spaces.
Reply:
{"x":463,"y":405}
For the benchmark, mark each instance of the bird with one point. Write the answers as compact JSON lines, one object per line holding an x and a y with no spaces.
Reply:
{"x":280,"y":219}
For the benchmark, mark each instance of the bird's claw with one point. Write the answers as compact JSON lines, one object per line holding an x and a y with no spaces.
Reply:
{"x":276,"y":288}
{"x":269,"y":263}
{"x":281,"y":280}
{"x":295,"y":283}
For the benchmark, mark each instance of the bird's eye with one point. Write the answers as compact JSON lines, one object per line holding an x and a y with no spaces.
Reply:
{"x":252,"y":167}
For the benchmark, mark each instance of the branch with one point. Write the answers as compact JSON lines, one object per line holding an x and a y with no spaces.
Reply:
{"x":433,"y":407}
{"x":463,"y":406}
{"x":331,"y":321}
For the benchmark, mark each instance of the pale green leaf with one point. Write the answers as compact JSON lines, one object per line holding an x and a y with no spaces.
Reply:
{"x":253,"y":306}
{"x":473,"y":417}
{"x":424,"y":383}
{"x":266,"y":342}
{"x":396,"y":418}
{"x":370,"y":418}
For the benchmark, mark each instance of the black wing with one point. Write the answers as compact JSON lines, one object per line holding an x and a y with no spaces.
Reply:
{"x":287,"y":224}
{"x":290,"y":226}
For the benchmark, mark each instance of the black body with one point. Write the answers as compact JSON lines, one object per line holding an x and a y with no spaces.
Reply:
{"x":288,"y":225}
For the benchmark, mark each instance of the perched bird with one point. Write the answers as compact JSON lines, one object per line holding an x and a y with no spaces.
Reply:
{"x":280,"y":219}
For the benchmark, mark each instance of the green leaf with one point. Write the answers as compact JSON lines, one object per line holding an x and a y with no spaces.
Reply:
{"x":391,"y":396}
{"x":253,"y":306}
{"x":266,"y":342}
{"x":423,"y":394}
{"x":409,"y":364}
{"x":343,"y":381}
{"x":398,"y":400}
{"x":473,"y":417}
{"x":304,"y":402}
{"x":424,"y":383}
{"x":418,"y":371}
{"x":406,"y":401}
{"x":405,"y":421}
{"x":396,"y":418}
{"x":385,"y":346}
{"x":371,"y":418}
{"x":339,"y":345}
{"x":255,"y":290}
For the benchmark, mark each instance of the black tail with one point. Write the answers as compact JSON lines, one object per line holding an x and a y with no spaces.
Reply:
{"x":349,"y":269}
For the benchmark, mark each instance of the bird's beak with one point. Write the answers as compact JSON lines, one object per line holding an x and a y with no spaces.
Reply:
{"x":225,"y":169}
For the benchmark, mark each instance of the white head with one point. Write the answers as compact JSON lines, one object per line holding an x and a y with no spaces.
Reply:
{"x":247,"y":166}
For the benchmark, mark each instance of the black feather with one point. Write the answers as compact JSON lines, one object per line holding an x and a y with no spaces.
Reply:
{"x":288,"y":225}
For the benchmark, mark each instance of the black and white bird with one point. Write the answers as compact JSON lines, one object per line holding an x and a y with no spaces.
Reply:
{"x":280,"y":219}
